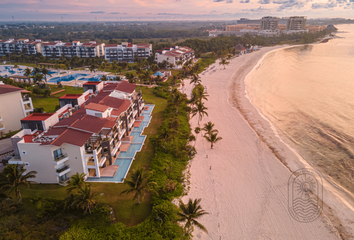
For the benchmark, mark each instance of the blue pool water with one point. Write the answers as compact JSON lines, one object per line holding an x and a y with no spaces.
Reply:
{"x":119,"y":175}
{"x":96,"y":78}
{"x":137,"y":137}
{"x":141,"y":127}
{"x":133,"y":148}
{"x":52,"y":72}
{"x":125,"y":159}
{"x":68,"y":77}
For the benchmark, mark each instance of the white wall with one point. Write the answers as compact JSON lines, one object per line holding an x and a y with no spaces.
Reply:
{"x":41,"y":160}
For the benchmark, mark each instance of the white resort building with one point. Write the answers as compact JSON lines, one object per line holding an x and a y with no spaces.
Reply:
{"x":15,"y":105}
{"x":75,"y":48}
{"x":25,"y":46}
{"x":100,"y":137}
{"x":126,"y":52}
{"x":174,"y":55}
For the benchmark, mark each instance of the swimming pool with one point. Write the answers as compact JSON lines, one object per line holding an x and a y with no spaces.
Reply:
{"x":68,"y":77}
{"x":96,"y":78}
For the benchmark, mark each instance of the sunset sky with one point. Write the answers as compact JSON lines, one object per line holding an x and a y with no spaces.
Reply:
{"x":113,"y":10}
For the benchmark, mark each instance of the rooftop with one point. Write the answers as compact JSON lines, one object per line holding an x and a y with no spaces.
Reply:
{"x":4,"y":88}
{"x":37,"y":117}
{"x":97,"y":107}
{"x":92,"y":83}
{"x":71,"y":96}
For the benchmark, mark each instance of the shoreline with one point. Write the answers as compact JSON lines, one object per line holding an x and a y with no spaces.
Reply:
{"x":252,"y":123}
{"x":282,"y":137}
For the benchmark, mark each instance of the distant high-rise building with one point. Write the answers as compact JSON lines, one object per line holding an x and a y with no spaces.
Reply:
{"x":296,"y":23}
{"x":269,"y":23}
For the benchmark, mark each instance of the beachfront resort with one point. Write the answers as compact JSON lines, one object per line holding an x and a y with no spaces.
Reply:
{"x":97,"y":133}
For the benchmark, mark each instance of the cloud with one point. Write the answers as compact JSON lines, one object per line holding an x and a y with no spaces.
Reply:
{"x":264,"y":1}
{"x":99,"y":12}
{"x":227,"y":1}
{"x":328,"y":5}
{"x":244,"y":1}
{"x":289,"y":4}
{"x":170,"y":14}
{"x":115,"y":13}
{"x":257,"y":10}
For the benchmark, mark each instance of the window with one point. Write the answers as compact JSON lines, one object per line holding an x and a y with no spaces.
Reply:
{"x":23,"y":153}
{"x":25,"y":126}
{"x":39,"y":127}
{"x":98,"y":115}
{"x":57,"y":153}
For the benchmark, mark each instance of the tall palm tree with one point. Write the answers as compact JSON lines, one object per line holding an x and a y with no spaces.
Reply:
{"x":212,"y":138}
{"x":14,"y":177}
{"x":139,"y":184}
{"x":45,"y":72}
{"x":178,"y":98}
{"x":84,"y":199}
{"x":27,"y":72}
{"x":209,"y":128}
{"x":223,"y":62}
{"x":189,"y":213}
{"x":77,"y":181}
{"x":200,"y":110}
{"x":195,"y":79}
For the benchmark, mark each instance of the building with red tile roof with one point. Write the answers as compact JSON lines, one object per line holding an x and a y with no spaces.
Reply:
{"x":83,"y":140}
{"x":15,"y":104}
{"x":175,"y":55}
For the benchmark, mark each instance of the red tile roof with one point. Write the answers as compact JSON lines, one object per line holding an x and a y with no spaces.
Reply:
{"x":54,"y":132}
{"x":72,"y":136}
{"x":49,"y":44}
{"x":70,"y":96}
{"x":90,"y":123}
{"x":110,"y":124}
{"x":92,"y":83}
{"x":4,"y":88}
{"x":37,"y":117}
{"x":124,"y":107}
{"x":126,"y":87}
{"x":111,"y":45}
{"x":112,"y":102}
{"x":97,"y":107}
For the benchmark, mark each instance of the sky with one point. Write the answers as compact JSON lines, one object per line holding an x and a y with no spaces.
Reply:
{"x":126,"y":10}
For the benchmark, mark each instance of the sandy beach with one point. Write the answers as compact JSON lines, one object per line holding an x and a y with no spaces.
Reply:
{"x":243,"y":181}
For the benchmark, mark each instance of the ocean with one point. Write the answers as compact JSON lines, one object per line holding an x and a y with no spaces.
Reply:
{"x":307,"y":92}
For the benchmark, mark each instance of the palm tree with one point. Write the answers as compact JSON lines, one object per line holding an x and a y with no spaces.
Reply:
{"x":208,"y":128}
{"x":45,"y":72}
{"x":223,"y":62}
{"x":14,"y":177}
{"x":200,"y":110}
{"x":189,"y":213}
{"x":178,"y":98}
{"x":84,"y":199}
{"x":195,"y":79}
{"x":139,"y":184}
{"x":77,"y":181}
{"x":27,"y":72}
{"x":212,"y":138}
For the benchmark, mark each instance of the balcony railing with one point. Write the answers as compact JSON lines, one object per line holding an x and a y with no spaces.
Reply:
{"x":61,"y":157}
{"x":62,"y":169}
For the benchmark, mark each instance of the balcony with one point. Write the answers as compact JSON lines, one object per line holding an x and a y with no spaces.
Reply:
{"x":64,"y":182}
{"x":61,"y":159}
{"x":63,"y":170}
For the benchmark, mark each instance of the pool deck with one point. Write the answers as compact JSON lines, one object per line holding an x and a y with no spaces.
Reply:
{"x":128,"y":150}
{"x":76,"y":82}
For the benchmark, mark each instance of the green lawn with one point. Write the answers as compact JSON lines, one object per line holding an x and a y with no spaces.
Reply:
{"x":49,"y":103}
{"x":125,"y":208}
